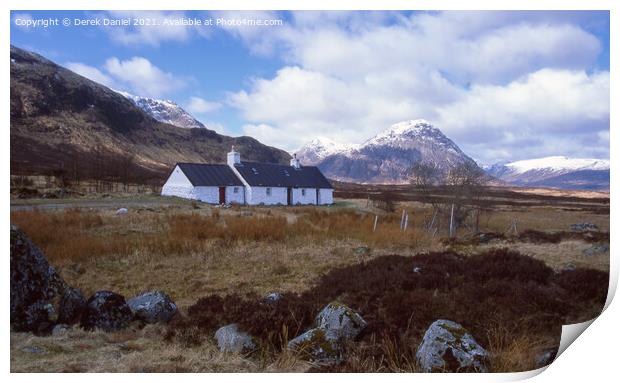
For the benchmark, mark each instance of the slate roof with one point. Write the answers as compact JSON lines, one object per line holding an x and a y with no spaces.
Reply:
{"x":276,"y":175}
{"x":210,"y":174}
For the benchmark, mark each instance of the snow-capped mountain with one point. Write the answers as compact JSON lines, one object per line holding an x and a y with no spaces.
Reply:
{"x":386,"y":157}
{"x":555,"y":171}
{"x":165,"y":111}
{"x":320,"y":148}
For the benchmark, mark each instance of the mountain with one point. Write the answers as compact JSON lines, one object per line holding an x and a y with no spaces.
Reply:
{"x":63,"y":122}
{"x":320,"y":148}
{"x":165,"y":111}
{"x":556,"y":171}
{"x":388,"y":156}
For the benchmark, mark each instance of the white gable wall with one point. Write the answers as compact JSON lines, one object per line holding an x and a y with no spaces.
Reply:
{"x":178,"y":185}
{"x":299,"y":198}
{"x":326,"y":197}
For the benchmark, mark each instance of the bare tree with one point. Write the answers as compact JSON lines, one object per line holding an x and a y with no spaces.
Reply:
{"x":460,"y":192}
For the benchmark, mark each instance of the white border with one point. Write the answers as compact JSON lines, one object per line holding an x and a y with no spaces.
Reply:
{"x":593,"y":357}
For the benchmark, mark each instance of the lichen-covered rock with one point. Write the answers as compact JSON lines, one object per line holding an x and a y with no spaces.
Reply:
{"x":581,"y":227}
{"x":35,"y":286}
{"x":231,"y":339}
{"x":340,"y":322}
{"x":72,"y":305}
{"x":318,"y":345}
{"x":335,"y":325}
{"x":107,"y":311}
{"x":447,"y":346}
{"x":153,"y":307}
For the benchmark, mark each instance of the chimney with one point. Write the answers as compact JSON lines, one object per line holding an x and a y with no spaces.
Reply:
{"x":233,"y":158}
{"x":295,"y":162}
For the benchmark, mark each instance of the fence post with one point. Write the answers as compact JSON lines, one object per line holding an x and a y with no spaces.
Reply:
{"x":406,"y":221}
{"x":451,"y":220}
{"x":375,"y":226}
{"x":402,"y":220}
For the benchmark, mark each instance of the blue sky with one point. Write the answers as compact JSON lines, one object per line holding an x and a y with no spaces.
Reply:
{"x":503,"y":85}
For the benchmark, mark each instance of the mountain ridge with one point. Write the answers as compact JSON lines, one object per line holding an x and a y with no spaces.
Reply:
{"x":64,"y":122}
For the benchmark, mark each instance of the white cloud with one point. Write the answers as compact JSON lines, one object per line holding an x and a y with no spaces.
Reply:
{"x":199,"y":105}
{"x":495,"y":82}
{"x":143,"y":77}
{"x":149,"y":33}
{"x":136,"y":75}
{"x":92,"y":73}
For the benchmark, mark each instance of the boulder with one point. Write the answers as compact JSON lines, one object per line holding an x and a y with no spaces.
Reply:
{"x":121,"y":211}
{"x":272,"y":297}
{"x":231,"y":339}
{"x":340,"y":322}
{"x":447,"y":346}
{"x":582,"y":227}
{"x":153,"y":307}
{"x":600,"y":248}
{"x":107,"y":311}
{"x":335,"y":325}
{"x":317,"y":345}
{"x":35,"y":286}
{"x":72,"y":305}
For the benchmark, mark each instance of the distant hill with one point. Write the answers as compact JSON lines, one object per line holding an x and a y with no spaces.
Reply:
{"x":556,"y":172}
{"x":63,"y":122}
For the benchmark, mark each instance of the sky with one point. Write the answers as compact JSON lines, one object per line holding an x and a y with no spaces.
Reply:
{"x":504,"y":86}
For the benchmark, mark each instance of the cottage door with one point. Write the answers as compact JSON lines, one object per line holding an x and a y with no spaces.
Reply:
{"x":318,"y":200}
{"x":289,"y":196}
{"x":222,"y":195}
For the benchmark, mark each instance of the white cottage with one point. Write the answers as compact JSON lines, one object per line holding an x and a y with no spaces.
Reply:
{"x":251,"y":183}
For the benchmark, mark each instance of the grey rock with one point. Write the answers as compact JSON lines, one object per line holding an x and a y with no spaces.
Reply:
{"x":335,"y":325}
{"x":33,"y":350}
{"x":569,"y":267}
{"x":107,"y":311}
{"x":362,"y":250}
{"x":72,"y":305}
{"x":447,"y":346}
{"x":319,"y":346}
{"x":273,"y":297}
{"x":340,"y":321}
{"x":153,"y":307}
{"x":546,"y":357}
{"x":417,"y":270}
{"x":600,"y":248}
{"x":582,"y":227}
{"x":60,"y":329}
{"x":35,"y":285}
{"x":121,"y":211}
{"x":231,"y":339}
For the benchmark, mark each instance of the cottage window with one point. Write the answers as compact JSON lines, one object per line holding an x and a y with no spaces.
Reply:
{"x":236,"y":189}
{"x":268,"y":191}
{"x":303,"y":192}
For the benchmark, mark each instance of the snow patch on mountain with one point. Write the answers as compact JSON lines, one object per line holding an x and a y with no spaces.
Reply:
{"x":558,"y":164}
{"x":165,"y":111}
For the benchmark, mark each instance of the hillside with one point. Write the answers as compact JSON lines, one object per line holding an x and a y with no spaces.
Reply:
{"x":63,"y":122}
